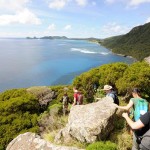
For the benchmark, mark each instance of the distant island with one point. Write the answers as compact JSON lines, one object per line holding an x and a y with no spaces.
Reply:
{"x":63,"y":38}
{"x":48,"y":37}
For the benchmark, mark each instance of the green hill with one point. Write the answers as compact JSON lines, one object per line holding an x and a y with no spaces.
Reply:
{"x":136,"y":43}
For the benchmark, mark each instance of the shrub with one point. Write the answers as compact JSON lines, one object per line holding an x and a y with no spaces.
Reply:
{"x":18,"y":114}
{"x":105,"y":74}
{"x":110,"y":73}
{"x":55,"y":109}
{"x":51,"y":123}
{"x":60,"y":90}
{"x":102,"y":146}
{"x":136,"y":75}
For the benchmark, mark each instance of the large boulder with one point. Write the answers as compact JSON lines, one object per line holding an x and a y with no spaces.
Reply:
{"x":31,"y":141}
{"x":89,"y":123}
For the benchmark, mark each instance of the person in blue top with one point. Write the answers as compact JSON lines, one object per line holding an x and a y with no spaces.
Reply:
{"x":140,"y":107}
{"x":111,"y":93}
{"x":108,"y":90}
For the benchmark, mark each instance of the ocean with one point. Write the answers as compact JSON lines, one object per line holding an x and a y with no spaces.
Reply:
{"x":38,"y":62}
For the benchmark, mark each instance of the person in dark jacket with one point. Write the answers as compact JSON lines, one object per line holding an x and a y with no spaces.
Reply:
{"x":140,"y":127}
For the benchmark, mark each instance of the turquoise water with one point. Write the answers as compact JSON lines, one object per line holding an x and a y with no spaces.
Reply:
{"x":25,"y":62}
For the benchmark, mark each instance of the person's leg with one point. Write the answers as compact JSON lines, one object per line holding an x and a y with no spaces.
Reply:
{"x":142,"y":147}
{"x":64,"y":111}
{"x":135,"y":145}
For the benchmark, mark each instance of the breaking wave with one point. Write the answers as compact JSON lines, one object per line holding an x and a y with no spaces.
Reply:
{"x":87,"y":51}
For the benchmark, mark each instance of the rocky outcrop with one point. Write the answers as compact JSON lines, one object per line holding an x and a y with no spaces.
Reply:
{"x":147,"y":59}
{"x":43,"y":93}
{"x":31,"y":141}
{"x":88,"y":123}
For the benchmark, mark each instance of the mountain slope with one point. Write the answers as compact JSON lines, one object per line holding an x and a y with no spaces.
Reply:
{"x":136,"y":43}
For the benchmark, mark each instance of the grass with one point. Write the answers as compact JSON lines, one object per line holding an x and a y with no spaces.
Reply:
{"x":120,"y":136}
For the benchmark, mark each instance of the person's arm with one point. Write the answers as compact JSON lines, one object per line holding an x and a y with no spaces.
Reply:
{"x":134,"y":125}
{"x":97,"y":98}
{"x":126,"y":107}
{"x":74,"y":99}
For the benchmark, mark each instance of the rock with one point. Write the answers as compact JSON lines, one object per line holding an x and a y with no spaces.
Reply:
{"x":89,"y":123}
{"x":147,"y":59}
{"x":31,"y":141}
{"x":43,"y":93}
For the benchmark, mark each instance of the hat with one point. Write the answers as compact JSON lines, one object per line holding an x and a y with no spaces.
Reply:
{"x":107,"y":87}
{"x":76,"y":91}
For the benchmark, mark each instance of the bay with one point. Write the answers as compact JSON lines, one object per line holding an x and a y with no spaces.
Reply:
{"x":25,"y":62}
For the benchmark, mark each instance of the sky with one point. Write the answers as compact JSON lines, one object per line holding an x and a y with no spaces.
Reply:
{"x":71,"y":18}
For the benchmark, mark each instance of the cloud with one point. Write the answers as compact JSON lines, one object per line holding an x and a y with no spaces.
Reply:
{"x":23,"y":17}
{"x":67,"y":27}
{"x":81,"y":2}
{"x":51,"y":27}
{"x":16,"y":11}
{"x":112,"y":29}
{"x":14,"y":5}
{"x":148,"y":20}
{"x":138,"y":2}
{"x":58,"y":4}
{"x":129,"y":3}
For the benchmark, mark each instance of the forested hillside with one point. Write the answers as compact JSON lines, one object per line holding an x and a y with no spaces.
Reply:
{"x":136,"y":43}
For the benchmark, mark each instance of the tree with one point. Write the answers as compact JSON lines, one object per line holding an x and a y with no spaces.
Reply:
{"x":137,"y":75}
{"x":105,"y":74}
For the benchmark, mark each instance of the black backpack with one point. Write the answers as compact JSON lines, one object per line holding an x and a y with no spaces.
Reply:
{"x":116,"y":99}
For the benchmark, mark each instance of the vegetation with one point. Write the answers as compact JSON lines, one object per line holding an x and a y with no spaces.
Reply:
{"x":137,"y":75}
{"x":121,"y":76}
{"x":136,"y":43}
{"x":18,"y":114}
{"x":121,"y":135}
{"x":102,"y":145}
{"x":20,"y":109}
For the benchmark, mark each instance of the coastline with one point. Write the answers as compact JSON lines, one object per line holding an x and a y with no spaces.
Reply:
{"x":98,"y":42}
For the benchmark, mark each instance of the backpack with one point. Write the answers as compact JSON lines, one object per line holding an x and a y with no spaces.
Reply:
{"x":140,"y":108}
{"x":79,"y":99}
{"x":65,"y":100}
{"x":116,"y":100}
{"x":145,"y":141}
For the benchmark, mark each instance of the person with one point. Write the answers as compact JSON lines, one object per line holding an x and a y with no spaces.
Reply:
{"x":77,"y":97}
{"x":140,"y":108}
{"x":140,"y":127}
{"x":65,"y":102}
{"x":95,"y":87}
{"x":110,"y":93}
{"x":135,"y":102}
